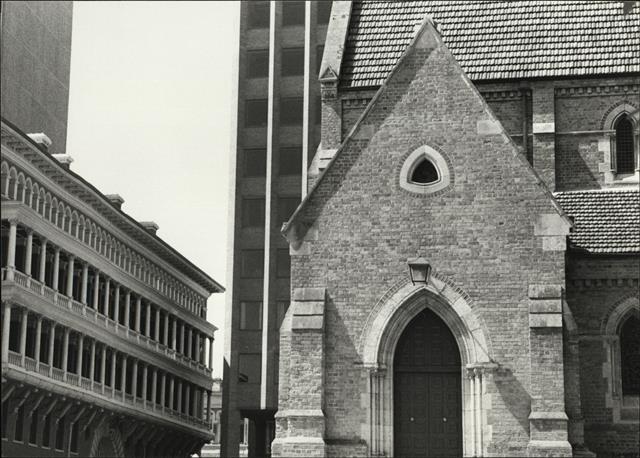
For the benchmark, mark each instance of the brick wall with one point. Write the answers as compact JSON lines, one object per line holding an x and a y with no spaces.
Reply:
{"x":478,"y":233}
{"x":594,"y":287}
{"x":579,"y":108}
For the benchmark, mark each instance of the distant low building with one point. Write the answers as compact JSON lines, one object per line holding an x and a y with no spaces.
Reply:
{"x":214,"y":412}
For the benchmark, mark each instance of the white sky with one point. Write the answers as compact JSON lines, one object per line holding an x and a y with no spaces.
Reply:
{"x":150,"y":119}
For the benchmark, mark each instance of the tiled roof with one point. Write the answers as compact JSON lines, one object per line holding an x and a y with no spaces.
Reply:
{"x":605,"y":221}
{"x":497,"y":40}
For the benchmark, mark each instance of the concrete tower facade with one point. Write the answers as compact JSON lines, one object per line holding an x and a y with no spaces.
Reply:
{"x":36,"y":57}
{"x":278,"y":114}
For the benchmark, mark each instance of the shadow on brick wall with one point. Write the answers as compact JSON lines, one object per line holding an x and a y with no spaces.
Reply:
{"x":515,"y":397}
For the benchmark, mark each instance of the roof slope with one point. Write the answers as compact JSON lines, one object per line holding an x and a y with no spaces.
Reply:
{"x":497,"y":40}
{"x":604,"y":221}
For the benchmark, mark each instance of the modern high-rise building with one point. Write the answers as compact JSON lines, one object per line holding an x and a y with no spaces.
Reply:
{"x":104,"y":331}
{"x":36,"y":56}
{"x":278,"y":131}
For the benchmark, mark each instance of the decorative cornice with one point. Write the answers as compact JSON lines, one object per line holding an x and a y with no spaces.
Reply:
{"x":355,"y":103}
{"x":492,"y":96}
{"x":23,"y":147}
{"x":587,"y":283}
{"x":590,"y":91}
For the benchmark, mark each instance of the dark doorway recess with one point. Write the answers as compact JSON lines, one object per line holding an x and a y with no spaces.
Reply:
{"x":427,"y":390}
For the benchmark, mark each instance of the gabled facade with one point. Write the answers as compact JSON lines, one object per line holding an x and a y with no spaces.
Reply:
{"x":508,"y":169}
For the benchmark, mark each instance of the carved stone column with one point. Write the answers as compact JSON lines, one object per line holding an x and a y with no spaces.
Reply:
{"x":134,"y":380}
{"x":85,"y":282}
{"x":147,"y":320}
{"x":43,"y":260}
{"x":6,"y":329}
{"x":210,"y":353}
{"x":165,"y":338}
{"x":103,"y":367}
{"x":145,"y":373}
{"x":476,"y":407}
{"x":116,"y":304}
{"x":187,"y":399}
{"x":127,"y":310}
{"x":56,"y":267}
{"x":70,"y":267}
{"x":377,"y":411}
{"x":107,"y":284}
{"x":138,"y":312}
{"x":171,"y":390}
{"x":163,"y":387}
{"x":11,"y":249}
{"x":190,"y":344}
{"x":123,"y":376}
{"x":174,"y":334}
{"x":52,"y":336}
{"x":80,"y":355}
{"x":154,"y":386}
{"x":156,"y":331}
{"x":65,"y":351}
{"x":23,"y":335}
{"x":28,"y":253}
{"x":112,"y":372}
{"x":96,"y":290}
{"x":38,"y":341}
{"x":92,"y":362}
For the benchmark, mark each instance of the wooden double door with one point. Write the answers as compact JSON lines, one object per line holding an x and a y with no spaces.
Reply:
{"x":427,"y":390}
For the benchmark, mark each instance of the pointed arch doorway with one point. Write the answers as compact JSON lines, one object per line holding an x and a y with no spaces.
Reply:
{"x":427,"y":390}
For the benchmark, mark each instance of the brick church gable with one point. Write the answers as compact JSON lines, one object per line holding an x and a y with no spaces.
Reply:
{"x":427,"y":99}
{"x":494,"y":237}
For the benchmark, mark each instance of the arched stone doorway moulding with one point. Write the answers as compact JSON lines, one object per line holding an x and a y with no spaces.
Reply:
{"x":378,"y":341}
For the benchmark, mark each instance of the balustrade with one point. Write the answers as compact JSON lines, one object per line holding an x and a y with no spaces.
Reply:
{"x":93,"y":316}
{"x":81,"y":228}
{"x":110,"y":393}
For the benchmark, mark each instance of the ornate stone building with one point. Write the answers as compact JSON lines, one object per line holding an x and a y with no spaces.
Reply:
{"x":104,"y":330}
{"x":104,"y":334}
{"x":465,"y":262}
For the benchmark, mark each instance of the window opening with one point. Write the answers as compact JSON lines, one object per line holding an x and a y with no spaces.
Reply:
{"x":292,"y":62}
{"x":290,"y":111}
{"x":251,"y":316}
{"x":258,"y":63}
{"x":255,"y":162}
{"x":624,"y":145}
{"x":292,"y":13}
{"x":324,"y":12}
{"x":256,"y":112}
{"x":253,"y":212}
{"x":258,"y":15}
{"x":290,"y":161}
{"x":425,"y":173}
{"x":630,"y":356}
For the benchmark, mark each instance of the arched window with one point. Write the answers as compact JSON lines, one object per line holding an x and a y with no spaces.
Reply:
{"x":630,"y":356}
{"x":425,"y":173}
{"x":624,"y":145}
